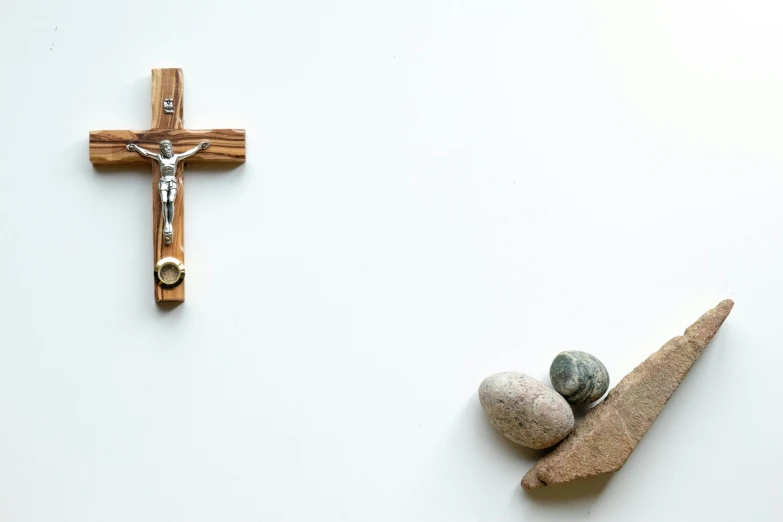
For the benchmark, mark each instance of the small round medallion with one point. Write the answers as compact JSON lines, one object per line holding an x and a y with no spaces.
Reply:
{"x":169,"y":272}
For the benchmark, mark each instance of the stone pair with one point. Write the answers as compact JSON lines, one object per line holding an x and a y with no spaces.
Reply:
{"x":533,"y":414}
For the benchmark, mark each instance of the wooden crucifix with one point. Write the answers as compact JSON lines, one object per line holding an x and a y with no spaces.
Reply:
{"x":166,"y":146}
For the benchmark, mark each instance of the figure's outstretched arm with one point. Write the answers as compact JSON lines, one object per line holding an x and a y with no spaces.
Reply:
{"x":144,"y":152}
{"x":188,"y":153}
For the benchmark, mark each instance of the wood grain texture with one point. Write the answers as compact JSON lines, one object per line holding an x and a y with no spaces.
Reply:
{"x":226,"y":146}
{"x":177,"y":247}
{"x":168,"y":83}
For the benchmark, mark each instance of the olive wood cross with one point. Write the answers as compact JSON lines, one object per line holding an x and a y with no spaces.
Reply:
{"x":125,"y":147}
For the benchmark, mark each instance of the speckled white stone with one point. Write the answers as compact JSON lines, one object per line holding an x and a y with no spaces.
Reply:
{"x":525,"y":410}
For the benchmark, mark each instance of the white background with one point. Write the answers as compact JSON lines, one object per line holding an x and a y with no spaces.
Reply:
{"x":435,"y":191}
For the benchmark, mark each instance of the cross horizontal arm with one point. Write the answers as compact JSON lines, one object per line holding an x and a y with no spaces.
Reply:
{"x":226,"y":146}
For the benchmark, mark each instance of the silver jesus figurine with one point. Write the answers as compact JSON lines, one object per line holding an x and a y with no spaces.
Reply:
{"x":167,"y":186}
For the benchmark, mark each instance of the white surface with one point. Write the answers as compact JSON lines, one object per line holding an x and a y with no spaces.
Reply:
{"x":435,"y":191}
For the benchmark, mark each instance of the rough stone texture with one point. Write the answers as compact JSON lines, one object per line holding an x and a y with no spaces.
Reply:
{"x":526,"y":410}
{"x":604,"y":439}
{"x":579,"y":377}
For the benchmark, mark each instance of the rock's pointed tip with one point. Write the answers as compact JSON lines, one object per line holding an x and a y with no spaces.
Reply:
{"x":721,"y":310}
{"x":531,"y":480}
{"x":708,"y":324}
{"x":726,"y":304}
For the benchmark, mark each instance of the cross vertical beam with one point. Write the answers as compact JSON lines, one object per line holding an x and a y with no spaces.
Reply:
{"x":168,"y":84}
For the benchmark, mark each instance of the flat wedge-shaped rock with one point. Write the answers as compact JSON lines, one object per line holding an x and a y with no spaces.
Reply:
{"x":604,"y":439}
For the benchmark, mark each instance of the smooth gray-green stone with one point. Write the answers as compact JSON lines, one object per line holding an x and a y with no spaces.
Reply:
{"x":579,"y":377}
